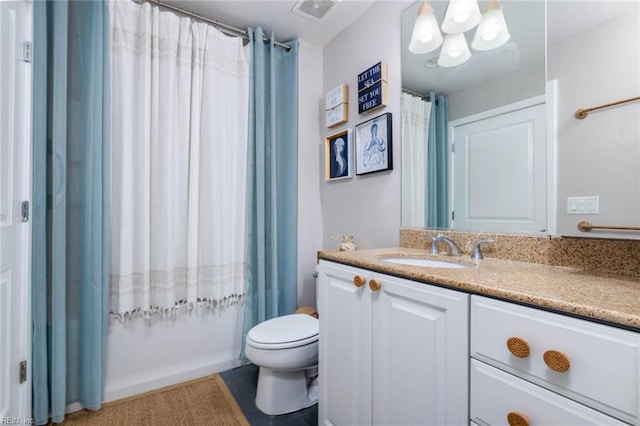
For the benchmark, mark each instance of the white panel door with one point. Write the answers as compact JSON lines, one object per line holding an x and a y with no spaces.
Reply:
{"x":15,"y":181}
{"x":420,"y":354}
{"x":500,"y":172}
{"x":345,"y":359}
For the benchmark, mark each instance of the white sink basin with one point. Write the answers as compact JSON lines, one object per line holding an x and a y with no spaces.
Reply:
{"x":426,"y":263}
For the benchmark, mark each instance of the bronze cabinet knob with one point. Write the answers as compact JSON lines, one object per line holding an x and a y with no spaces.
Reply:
{"x":374,"y":285}
{"x":515,"y":418}
{"x":518,"y":347}
{"x":557,"y":361}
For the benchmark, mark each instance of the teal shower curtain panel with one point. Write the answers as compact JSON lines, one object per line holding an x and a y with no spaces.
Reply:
{"x":273,"y":181}
{"x":70,"y":205}
{"x":438,"y":164}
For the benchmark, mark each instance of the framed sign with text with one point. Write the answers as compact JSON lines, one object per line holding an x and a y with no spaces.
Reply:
{"x":336,"y":105}
{"x":372,"y":88}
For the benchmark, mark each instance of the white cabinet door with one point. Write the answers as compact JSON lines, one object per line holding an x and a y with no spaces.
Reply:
{"x":420,"y":354}
{"x":397,"y":355}
{"x":345,"y":346}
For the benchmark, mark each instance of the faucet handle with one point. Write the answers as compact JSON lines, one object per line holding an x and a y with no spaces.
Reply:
{"x":434,"y":244}
{"x":477,"y":253}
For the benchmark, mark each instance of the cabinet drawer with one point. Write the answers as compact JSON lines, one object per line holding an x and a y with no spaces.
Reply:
{"x":602,"y":363}
{"x":495,"y":394}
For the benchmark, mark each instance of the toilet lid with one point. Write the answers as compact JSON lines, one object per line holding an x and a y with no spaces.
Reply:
{"x":288,"y":330}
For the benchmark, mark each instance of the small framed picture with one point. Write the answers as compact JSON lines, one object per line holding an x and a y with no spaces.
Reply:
{"x":338,"y":155}
{"x":373,"y":145}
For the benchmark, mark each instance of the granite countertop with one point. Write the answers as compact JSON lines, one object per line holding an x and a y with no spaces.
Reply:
{"x":612,"y":299}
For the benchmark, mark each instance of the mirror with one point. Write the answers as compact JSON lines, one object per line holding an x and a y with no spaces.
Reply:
{"x":487,"y":81}
{"x":593,"y":54}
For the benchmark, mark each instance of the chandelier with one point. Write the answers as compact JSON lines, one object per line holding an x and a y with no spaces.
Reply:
{"x":460,"y":16}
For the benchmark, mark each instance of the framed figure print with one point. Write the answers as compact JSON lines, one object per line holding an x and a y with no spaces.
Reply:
{"x":338,"y":156}
{"x":373,"y":145}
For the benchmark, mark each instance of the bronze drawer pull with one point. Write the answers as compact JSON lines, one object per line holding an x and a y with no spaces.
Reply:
{"x":515,"y":418}
{"x":358,"y":281}
{"x":518,"y":347}
{"x":557,"y":361}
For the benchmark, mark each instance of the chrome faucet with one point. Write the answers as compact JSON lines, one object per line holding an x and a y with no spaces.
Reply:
{"x":452,"y":248}
{"x":477,"y":253}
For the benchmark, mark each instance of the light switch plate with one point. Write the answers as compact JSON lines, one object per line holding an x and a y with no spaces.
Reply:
{"x":583,"y":205}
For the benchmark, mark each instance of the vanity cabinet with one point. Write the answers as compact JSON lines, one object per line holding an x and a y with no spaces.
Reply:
{"x":535,"y":366}
{"x":392,"y":351}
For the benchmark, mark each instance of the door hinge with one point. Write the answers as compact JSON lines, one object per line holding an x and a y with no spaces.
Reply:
{"x":25,"y":211}
{"x":453,"y":147}
{"x":23,"y":371}
{"x":27,"y":51}
{"x":453,"y":215}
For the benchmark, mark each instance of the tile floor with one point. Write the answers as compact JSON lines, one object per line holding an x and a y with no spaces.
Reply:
{"x":242,"y":382}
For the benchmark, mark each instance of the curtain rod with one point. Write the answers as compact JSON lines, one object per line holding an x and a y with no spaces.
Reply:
{"x":229,"y":29}
{"x":425,"y":97}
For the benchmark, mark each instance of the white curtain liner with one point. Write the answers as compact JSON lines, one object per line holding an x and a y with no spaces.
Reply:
{"x":180,"y":138}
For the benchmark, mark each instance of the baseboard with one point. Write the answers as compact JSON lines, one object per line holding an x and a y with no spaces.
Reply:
{"x":161,"y":379}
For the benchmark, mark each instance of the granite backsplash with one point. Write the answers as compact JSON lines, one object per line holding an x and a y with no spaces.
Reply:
{"x":592,"y":254}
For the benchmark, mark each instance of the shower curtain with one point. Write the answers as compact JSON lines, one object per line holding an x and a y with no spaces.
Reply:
{"x":180,"y":135}
{"x":70,"y":205}
{"x":273,"y":182}
{"x":415,"y":134}
{"x":438,"y":164}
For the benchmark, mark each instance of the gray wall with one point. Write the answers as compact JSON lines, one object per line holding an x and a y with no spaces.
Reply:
{"x":599,"y":155}
{"x":310,"y":131}
{"x":498,"y":92}
{"x":368,"y":206}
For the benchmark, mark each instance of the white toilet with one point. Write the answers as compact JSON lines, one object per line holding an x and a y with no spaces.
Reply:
{"x":286,"y":350}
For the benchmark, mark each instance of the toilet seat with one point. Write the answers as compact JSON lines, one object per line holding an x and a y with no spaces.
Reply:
{"x":284,"y":332}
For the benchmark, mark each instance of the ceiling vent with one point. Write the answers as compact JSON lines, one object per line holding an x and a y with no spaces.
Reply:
{"x":316,"y":10}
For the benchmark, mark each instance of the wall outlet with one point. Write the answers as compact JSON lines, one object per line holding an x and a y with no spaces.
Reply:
{"x":583,"y":205}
